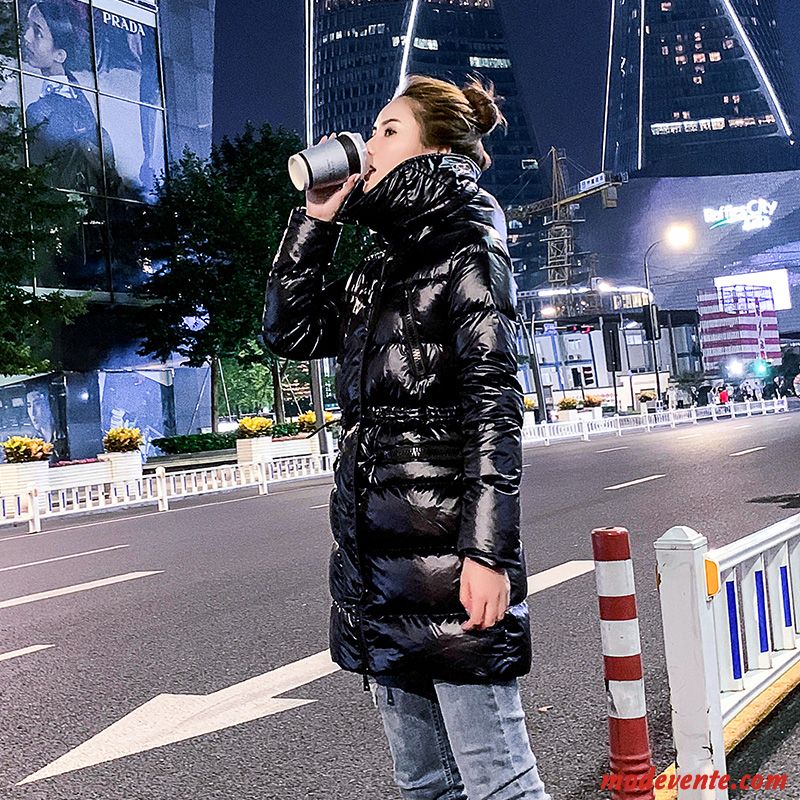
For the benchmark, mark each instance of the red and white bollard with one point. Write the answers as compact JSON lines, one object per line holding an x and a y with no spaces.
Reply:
{"x":629,"y":743}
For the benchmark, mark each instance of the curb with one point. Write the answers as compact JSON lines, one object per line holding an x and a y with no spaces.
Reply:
{"x":747,"y":720}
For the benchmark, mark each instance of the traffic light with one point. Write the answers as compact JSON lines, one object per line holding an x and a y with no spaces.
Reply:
{"x":652,"y":330}
{"x":760,"y":367}
{"x":586,"y":328}
{"x":611,"y":346}
{"x":588,"y":376}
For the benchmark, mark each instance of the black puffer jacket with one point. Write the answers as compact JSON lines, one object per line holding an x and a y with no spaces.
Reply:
{"x":430,"y":453}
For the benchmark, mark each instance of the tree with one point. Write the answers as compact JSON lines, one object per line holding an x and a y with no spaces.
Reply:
{"x":35,"y":219}
{"x":212,"y":234}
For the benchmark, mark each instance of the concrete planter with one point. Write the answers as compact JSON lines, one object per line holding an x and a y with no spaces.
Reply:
{"x":254,"y":451}
{"x":529,"y":419}
{"x":568,"y":415}
{"x":16,"y":479}
{"x":80,"y":475}
{"x":591,"y":413}
{"x":125,"y":467}
{"x":291,"y":446}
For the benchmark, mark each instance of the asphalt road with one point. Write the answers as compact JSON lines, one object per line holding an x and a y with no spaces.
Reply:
{"x":227,"y":588}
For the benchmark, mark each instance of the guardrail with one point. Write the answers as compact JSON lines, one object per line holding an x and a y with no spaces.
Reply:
{"x":731,"y":631}
{"x":163,"y":486}
{"x":160,"y":489}
{"x":547,"y":432}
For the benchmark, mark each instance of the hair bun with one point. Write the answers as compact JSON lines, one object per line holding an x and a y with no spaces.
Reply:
{"x":484,"y":103}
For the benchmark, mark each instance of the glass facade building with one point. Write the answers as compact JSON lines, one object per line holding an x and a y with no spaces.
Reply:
{"x":109,"y":91}
{"x":361,"y":48}
{"x":697,"y":87}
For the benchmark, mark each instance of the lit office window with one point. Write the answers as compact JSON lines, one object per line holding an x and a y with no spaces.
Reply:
{"x":489,"y":63}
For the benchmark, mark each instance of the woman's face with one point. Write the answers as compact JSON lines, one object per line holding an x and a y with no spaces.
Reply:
{"x":396,"y":137}
{"x":40,"y":49}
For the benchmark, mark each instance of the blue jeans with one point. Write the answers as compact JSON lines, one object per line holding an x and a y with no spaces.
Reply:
{"x":460,"y":742}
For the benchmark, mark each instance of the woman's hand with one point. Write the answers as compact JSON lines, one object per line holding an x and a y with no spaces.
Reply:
{"x":325,"y":202}
{"x":485,"y":594}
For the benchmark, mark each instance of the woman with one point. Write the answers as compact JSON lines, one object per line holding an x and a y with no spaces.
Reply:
{"x":425,"y":509}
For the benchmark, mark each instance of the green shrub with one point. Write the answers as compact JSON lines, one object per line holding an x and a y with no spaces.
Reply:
{"x":285,"y":429}
{"x":196,"y":443}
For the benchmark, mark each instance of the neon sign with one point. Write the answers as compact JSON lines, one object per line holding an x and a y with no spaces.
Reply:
{"x":753,"y":216}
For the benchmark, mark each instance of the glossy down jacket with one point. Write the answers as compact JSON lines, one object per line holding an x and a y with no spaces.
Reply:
{"x":429,"y":457}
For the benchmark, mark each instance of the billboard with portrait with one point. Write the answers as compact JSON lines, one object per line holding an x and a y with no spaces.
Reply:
{"x":108,"y":143}
{"x":36,"y":407}
{"x":126,"y":52}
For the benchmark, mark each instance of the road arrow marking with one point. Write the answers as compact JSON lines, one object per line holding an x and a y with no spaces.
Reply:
{"x":171,"y":718}
{"x":79,"y":587}
{"x":24,"y":652}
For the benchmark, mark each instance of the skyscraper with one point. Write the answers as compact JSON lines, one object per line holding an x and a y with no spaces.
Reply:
{"x":362,"y":48}
{"x":697,"y":87}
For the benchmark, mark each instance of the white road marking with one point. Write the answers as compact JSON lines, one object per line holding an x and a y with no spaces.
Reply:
{"x":170,"y":718}
{"x":64,"y":558}
{"x":612,"y":449}
{"x":633,"y":483}
{"x":324,"y":505}
{"x":24,"y":652}
{"x":690,"y":436}
{"x":525,"y":465}
{"x":740,"y":427}
{"x":555,"y":575}
{"x":751,"y":450}
{"x":79,"y":587}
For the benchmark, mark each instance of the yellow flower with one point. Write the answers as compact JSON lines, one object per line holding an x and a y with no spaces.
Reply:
{"x":22,"y":449}
{"x":122,"y":440}
{"x":253,"y":427}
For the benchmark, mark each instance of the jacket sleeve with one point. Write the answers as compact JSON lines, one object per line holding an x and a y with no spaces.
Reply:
{"x":302,"y":316}
{"x":483,"y":314}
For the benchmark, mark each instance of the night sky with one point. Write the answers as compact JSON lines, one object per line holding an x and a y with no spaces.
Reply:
{"x":559,"y":49}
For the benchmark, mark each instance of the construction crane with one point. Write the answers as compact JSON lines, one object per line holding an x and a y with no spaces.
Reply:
{"x":560,"y":221}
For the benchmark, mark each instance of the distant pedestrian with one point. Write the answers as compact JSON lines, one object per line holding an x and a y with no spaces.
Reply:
{"x":723,"y":395}
{"x":427,"y":572}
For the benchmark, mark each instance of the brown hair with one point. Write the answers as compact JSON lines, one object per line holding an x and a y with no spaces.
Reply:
{"x":453,"y":117}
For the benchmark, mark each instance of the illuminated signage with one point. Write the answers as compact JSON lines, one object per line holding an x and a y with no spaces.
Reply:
{"x":775,"y":279}
{"x":753,"y":216}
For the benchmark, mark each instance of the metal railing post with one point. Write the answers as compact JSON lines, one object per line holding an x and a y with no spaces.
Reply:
{"x":694,"y":683}
{"x":34,"y":512}
{"x":161,"y":489}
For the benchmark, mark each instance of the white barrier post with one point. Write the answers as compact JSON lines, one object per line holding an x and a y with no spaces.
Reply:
{"x":161,"y":489}
{"x":262,"y":472}
{"x":618,"y":424}
{"x":749,"y":410}
{"x":584,"y":430}
{"x":785,"y":403}
{"x":732,"y":408}
{"x":546,"y":426}
{"x":671,"y":418}
{"x":646,"y":419}
{"x":714,"y":411}
{"x":763,"y":406}
{"x":693,"y":414}
{"x":34,"y":512}
{"x":691,"y":651}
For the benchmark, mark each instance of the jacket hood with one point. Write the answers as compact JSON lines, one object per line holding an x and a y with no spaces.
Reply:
{"x":416,"y":193}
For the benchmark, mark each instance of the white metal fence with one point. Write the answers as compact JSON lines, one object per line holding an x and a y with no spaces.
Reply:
{"x":731,"y":630}
{"x":159,"y":489}
{"x":162,"y":487}
{"x":585,"y":428}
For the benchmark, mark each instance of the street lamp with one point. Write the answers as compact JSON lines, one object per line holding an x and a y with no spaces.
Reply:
{"x":677,"y":237}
